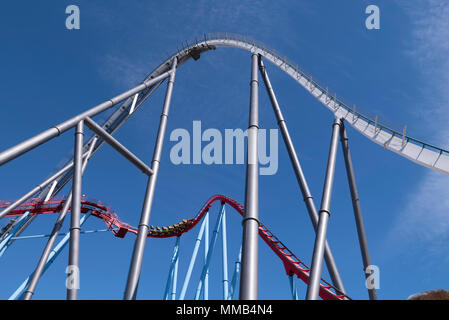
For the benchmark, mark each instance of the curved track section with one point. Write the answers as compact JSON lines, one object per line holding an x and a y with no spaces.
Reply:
{"x":292,"y":264}
{"x":417,"y":151}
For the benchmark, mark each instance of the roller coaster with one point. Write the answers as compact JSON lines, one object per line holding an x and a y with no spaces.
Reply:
{"x":293,"y":265}
{"x":43,"y":198}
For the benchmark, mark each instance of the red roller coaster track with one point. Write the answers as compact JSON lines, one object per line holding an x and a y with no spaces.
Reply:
{"x":292,"y":264}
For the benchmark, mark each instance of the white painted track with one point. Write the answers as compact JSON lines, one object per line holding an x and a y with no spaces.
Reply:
{"x":417,"y":151}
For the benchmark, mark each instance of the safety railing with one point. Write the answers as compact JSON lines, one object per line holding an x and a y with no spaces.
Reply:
{"x":185,"y":47}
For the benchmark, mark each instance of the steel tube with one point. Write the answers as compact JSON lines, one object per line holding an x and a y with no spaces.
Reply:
{"x":139,"y":246}
{"x":318,"y":250}
{"x":356,"y":206}
{"x":192,"y":260}
{"x":39,"y":187}
{"x":51,"y":257}
{"x":250,"y":222}
{"x":55,"y":131}
{"x":300,"y":177}
{"x":7,"y":240}
{"x":114,"y":122}
{"x":208,"y":259}
{"x":31,"y":219}
{"x":54,"y":234}
{"x":175,"y":279}
{"x":293,"y":287}
{"x":75,"y":214}
{"x":224,"y":254}
{"x":172,"y":271}
{"x":66,"y":168}
{"x":59,"y":235}
{"x":118,"y":146}
{"x":206,"y":252}
{"x":46,"y":252}
{"x":235,"y":275}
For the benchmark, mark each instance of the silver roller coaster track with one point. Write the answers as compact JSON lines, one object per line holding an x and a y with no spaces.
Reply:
{"x":420,"y":152}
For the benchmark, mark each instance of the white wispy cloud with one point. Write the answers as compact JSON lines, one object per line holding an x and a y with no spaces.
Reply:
{"x":425,"y":218}
{"x":124,"y":71}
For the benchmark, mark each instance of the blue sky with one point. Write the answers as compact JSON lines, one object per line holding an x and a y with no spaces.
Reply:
{"x":399,"y":72}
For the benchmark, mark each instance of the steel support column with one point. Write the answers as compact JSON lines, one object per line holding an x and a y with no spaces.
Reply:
{"x":320,"y":239}
{"x":293,"y":290}
{"x":235,"y":275}
{"x":175,"y":279}
{"x":250,"y":222}
{"x":172,"y":272}
{"x":192,"y":260}
{"x":206,"y":252}
{"x":205,"y":270}
{"x":54,"y":234}
{"x":224,"y":254}
{"x":75,"y":214}
{"x":356,"y":206}
{"x":142,"y":233}
{"x":300,"y":177}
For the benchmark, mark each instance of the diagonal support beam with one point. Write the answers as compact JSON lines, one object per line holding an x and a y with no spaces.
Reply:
{"x":205,"y":269}
{"x":293,"y":289}
{"x":356,"y":206}
{"x":6,"y":242}
{"x":118,"y":146}
{"x":172,"y":272}
{"x":57,"y":130}
{"x":320,"y":239}
{"x":39,"y":187}
{"x":49,"y":260}
{"x":193,"y":259}
{"x":300,"y":177}
{"x":49,"y":194}
{"x":142,"y":233}
{"x":60,"y":235}
{"x":235,"y":275}
{"x":30,"y":219}
{"x":175,"y":279}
